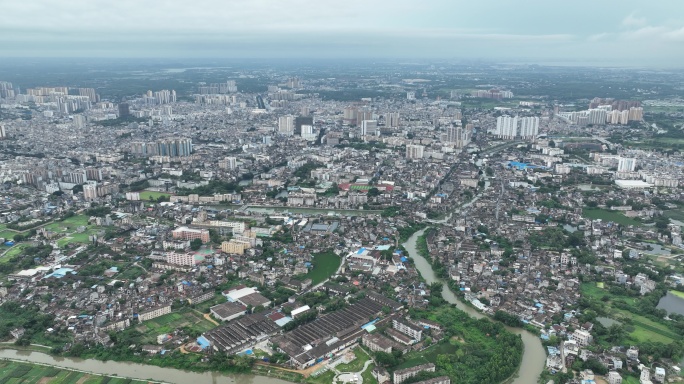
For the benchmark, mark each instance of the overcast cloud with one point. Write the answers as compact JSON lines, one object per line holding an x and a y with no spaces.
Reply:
{"x":619,"y":32}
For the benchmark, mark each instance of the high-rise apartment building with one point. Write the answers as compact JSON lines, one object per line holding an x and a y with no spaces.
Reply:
{"x":529,"y":127}
{"x":636,"y":114}
{"x":90,"y":191}
{"x":90,"y":92}
{"x":79,"y":121}
{"x":507,"y":127}
{"x":302,"y":120}
{"x":597,"y":116}
{"x":626,"y":164}
{"x":124,"y":110}
{"x":369,"y":128}
{"x":458,"y":135}
{"x":286,"y":125}
{"x":392,"y":119}
{"x":414,"y":151}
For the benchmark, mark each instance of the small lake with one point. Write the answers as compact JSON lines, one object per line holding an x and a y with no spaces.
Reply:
{"x":655,"y":249}
{"x":672,"y":303}
{"x":607,"y":321}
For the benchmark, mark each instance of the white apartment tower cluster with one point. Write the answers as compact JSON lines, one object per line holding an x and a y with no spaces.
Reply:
{"x":286,"y":125}
{"x":510,"y":128}
{"x":459,"y":136}
{"x":414,"y":151}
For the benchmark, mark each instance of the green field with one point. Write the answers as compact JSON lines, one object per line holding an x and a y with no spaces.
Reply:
{"x":677,"y":293}
{"x":323,"y":378}
{"x":428,"y":355}
{"x":12,"y":251}
{"x":68,"y":228}
{"x":325,"y":264}
{"x":13,"y":372}
{"x":360,"y":187}
{"x":606,"y":215}
{"x":145,"y":195}
{"x":75,"y":238}
{"x":675,"y":214}
{"x":367,"y":375}
{"x":644,"y":329}
{"x":595,"y":291}
{"x":356,"y":364}
{"x":8,"y":234}
{"x":169,"y":323}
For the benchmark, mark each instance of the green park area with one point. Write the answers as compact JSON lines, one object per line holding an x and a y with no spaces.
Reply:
{"x":430,"y":355}
{"x":69,"y":228}
{"x":6,"y":253}
{"x":325,"y":264}
{"x":153,"y":195}
{"x":675,"y":214}
{"x":186,"y":318}
{"x":14,"y":372}
{"x":360,"y":358}
{"x":472,"y":351}
{"x":606,"y":215}
{"x":6,"y":233}
{"x":622,"y":308}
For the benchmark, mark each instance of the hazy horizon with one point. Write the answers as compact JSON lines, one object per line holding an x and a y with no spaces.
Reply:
{"x":625,"y":34}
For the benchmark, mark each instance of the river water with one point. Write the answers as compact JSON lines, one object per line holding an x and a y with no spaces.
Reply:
{"x":534,"y":356}
{"x":137,"y":371}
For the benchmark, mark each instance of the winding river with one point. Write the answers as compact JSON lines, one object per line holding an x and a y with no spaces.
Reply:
{"x":135,"y":370}
{"x":534,"y":356}
{"x":530,"y":368}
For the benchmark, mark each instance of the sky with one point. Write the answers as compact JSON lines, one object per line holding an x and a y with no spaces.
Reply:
{"x":623,"y":32}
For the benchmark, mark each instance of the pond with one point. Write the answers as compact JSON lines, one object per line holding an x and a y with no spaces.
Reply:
{"x":607,"y":321}
{"x":672,"y":302}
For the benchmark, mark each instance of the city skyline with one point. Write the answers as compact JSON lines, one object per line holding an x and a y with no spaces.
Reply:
{"x":580,"y":32}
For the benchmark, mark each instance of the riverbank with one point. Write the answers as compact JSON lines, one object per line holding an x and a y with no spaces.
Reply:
{"x":37,"y":373}
{"x":534,"y":355}
{"x":134,"y":371}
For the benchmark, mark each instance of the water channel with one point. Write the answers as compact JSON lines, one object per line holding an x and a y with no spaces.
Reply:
{"x":534,"y":355}
{"x":136,"y":371}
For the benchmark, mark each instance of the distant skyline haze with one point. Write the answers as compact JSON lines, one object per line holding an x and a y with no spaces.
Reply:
{"x":629,"y":33}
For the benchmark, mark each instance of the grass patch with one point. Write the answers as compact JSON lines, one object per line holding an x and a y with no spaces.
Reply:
{"x":8,"y":234}
{"x":645,"y":330}
{"x":325,"y":264}
{"x":186,"y":317}
{"x":13,"y":251}
{"x":68,"y":228}
{"x":606,"y":215}
{"x":356,"y":364}
{"x":26,"y":373}
{"x":428,"y":355}
{"x":323,"y":378}
{"x":675,"y":214}
{"x":677,"y":293}
{"x":367,"y":375}
{"x":146,"y":195}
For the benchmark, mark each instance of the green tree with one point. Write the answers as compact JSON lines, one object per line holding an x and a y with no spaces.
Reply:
{"x":196,"y":244}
